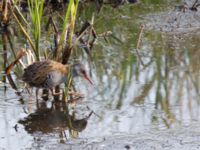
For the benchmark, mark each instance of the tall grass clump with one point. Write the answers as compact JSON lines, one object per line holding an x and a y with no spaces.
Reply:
{"x":32,"y":30}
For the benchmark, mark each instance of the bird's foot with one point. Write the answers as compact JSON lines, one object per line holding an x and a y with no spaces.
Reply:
{"x":74,"y":101}
{"x":76,"y":94}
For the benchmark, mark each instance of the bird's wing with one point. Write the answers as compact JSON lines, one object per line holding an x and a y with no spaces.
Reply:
{"x":37,"y":74}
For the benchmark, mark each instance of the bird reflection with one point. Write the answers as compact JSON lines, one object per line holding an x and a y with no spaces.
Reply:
{"x":48,"y":120}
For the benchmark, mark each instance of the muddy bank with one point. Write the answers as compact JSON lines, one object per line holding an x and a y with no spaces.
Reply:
{"x":180,"y":19}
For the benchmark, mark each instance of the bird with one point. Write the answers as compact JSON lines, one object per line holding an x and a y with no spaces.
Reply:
{"x":48,"y":74}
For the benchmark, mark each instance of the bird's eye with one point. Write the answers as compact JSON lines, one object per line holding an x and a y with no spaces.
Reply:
{"x":83,"y":72}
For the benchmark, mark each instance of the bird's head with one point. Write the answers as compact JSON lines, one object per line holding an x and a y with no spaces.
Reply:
{"x":79,"y":70}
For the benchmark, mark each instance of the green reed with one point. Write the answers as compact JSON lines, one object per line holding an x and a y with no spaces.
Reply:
{"x":64,"y":30}
{"x":36,"y":10}
{"x":67,"y":32}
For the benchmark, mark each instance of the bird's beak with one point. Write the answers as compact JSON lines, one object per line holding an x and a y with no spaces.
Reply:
{"x":87,"y":78}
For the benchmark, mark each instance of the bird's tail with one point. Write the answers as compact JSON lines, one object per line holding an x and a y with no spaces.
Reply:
{"x":21,"y":53}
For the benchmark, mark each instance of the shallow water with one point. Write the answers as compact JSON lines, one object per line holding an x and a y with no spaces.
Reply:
{"x":129,"y":100}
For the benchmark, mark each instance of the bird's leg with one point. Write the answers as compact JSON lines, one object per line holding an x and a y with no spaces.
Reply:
{"x":54,"y":93}
{"x":36,"y":93}
{"x":45,"y":94}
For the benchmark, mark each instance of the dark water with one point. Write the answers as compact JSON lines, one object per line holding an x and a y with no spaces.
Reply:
{"x":128,"y":98}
